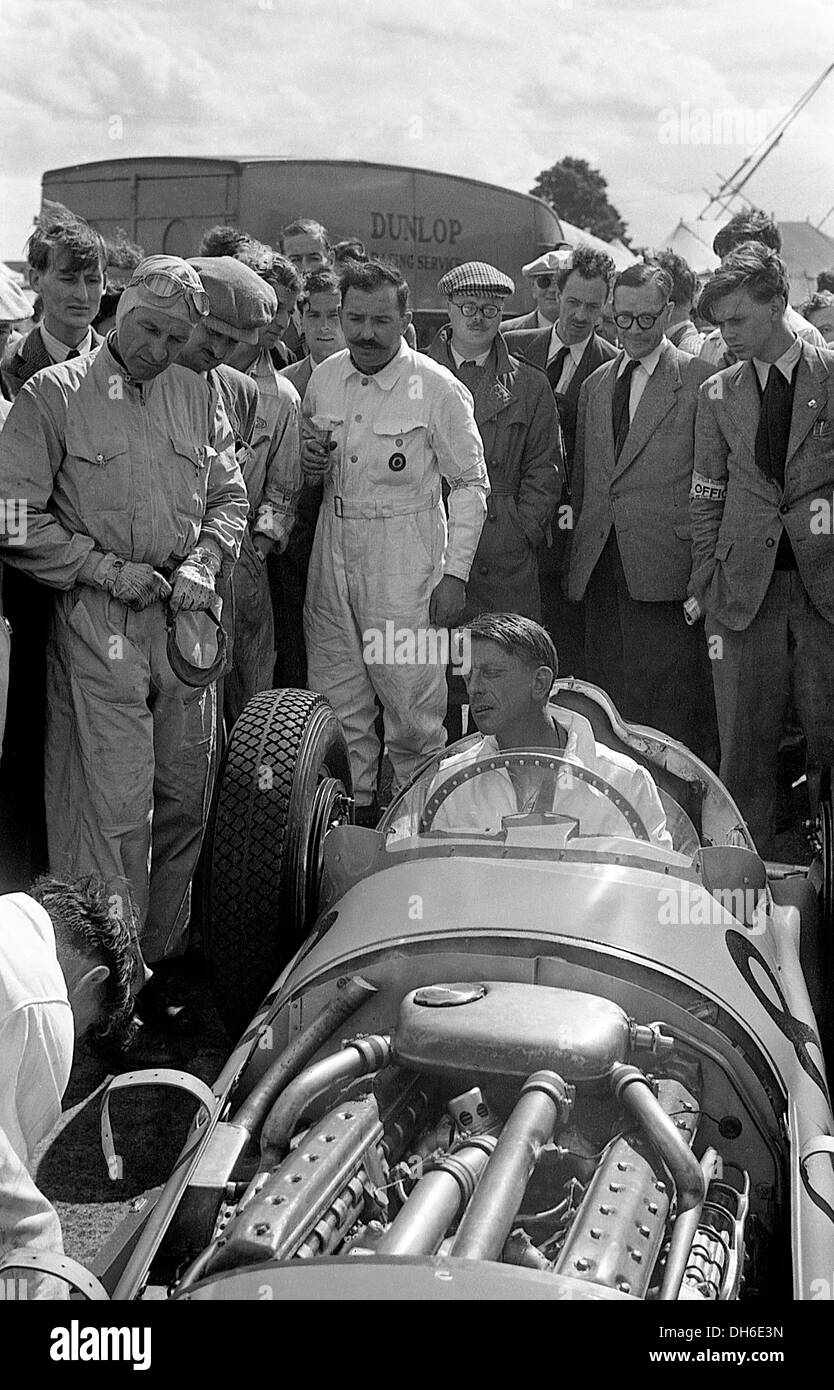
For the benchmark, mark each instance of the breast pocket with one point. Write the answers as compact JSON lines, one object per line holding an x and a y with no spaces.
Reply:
{"x":97,"y":468}
{"x":190,"y":475}
{"x":399,"y":452}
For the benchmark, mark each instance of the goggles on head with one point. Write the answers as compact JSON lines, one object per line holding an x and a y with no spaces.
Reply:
{"x":169,"y":284}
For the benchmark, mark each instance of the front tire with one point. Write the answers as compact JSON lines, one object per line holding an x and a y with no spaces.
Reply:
{"x":259,"y":901}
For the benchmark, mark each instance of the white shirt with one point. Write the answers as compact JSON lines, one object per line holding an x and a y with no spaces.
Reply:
{"x":36,"y":1047}
{"x":458,"y":357}
{"x":571,"y":362}
{"x":58,"y":351}
{"x":640,"y":378}
{"x":482,"y":803}
{"x":784,"y":364}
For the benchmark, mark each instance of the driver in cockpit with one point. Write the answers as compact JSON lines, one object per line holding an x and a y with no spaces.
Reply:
{"x":512,"y":669}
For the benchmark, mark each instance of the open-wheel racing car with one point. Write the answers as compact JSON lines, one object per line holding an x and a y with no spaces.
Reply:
{"x":525,"y":1063}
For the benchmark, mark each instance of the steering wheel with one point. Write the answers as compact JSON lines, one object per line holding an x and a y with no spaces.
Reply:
{"x":526,"y":761}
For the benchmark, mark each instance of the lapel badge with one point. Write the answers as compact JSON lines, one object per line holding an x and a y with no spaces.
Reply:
{"x":812,"y":403}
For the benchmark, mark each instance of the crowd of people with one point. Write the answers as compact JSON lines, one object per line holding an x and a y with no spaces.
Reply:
{"x":235,"y":471}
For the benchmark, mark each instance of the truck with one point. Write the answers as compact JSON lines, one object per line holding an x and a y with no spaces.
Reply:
{"x":424,"y":221}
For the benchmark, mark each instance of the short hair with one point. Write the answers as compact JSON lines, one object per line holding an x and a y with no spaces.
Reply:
{"x":825,"y":279}
{"x":645,"y":273}
{"x":823,"y":299}
{"x":223,"y":240}
{"x":750,"y":225}
{"x":591,"y":265}
{"x":306,"y":226}
{"x":318,"y":282}
{"x":280,"y":273}
{"x":58,"y":229}
{"x":368,"y":276}
{"x":519,"y":637}
{"x":753,"y":267}
{"x":122,"y":253}
{"x":85,"y":924}
{"x":352,"y":249}
{"x":684,"y":279}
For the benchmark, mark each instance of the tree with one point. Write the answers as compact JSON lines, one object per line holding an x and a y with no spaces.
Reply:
{"x":578,"y":192}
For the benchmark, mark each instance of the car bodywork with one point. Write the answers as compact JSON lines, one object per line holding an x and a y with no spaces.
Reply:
{"x":501,"y":1069}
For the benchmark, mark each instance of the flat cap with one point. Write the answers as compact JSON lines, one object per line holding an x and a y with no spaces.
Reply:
{"x":241,"y":303}
{"x":475,"y":277}
{"x":551,"y":262}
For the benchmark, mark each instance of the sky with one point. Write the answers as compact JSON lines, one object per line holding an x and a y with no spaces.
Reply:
{"x":661,"y":98}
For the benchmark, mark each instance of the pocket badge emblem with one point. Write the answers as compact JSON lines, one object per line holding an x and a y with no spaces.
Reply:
{"x":396,"y":463}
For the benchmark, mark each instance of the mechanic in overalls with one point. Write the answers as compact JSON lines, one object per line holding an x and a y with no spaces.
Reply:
{"x":134,"y":503}
{"x":383,"y":563}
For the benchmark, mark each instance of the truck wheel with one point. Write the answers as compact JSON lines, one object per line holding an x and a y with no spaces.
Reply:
{"x":285,"y":756}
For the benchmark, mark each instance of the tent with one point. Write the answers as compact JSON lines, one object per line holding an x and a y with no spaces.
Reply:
{"x":620,"y":255}
{"x":805,"y":249}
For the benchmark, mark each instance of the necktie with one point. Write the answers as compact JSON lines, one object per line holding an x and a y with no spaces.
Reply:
{"x":774,"y":429}
{"x":73,"y":352}
{"x":619,"y":409}
{"x":556,"y":366}
{"x":468,"y":373}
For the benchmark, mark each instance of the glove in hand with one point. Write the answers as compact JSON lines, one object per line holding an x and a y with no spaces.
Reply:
{"x":193,"y":586}
{"x":138,"y":585}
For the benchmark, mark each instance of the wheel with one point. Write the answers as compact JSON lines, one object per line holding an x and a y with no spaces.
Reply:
{"x":284,"y":780}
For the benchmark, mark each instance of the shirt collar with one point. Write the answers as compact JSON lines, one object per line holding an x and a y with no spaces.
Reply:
{"x":648,"y":363}
{"x":581,"y":745}
{"x":785,"y":364}
{"x":389,"y":376}
{"x":576,"y":350}
{"x":457,"y":357}
{"x":58,"y":351}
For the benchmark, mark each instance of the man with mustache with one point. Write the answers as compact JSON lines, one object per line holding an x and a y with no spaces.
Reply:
{"x":384,"y":426}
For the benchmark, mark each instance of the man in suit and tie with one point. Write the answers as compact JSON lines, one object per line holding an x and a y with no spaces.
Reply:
{"x":762,"y":496}
{"x":541,"y":275}
{"x":631,"y":555}
{"x":568,"y":351}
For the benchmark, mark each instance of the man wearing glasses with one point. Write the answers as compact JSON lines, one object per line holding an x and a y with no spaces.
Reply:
{"x":133,"y":503}
{"x":631,"y":557}
{"x":542,"y":275}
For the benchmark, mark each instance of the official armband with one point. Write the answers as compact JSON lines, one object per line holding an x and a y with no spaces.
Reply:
{"x":708,"y":489}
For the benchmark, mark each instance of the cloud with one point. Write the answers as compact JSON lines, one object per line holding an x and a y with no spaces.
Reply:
{"x":469,"y":87}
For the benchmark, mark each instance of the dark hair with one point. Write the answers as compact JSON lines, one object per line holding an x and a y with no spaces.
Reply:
{"x":58,"y":229}
{"x":90,"y":921}
{"x":591,"y":265}
{"x":753,"y":267}
{"x":825,"y":279}
{"x":369,"y":276}
{"x":520,"y":637}
{"x":223,"y":240}
{"x":109,"y":304}
{"x":684,"y":279}
{"x":750,"y":225}
{"x":318,"y":282}
{"x":645,"y":273}
{"x":350,"y":250}
{"x":823,"y":299}
{"x":279,"y":272}
{"x":122,"y":253}
{"x":305,"y":226}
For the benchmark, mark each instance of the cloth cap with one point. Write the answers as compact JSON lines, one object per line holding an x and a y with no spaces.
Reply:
{"x":240,"y":302}
{"x":167,"y":284}
{"x":13,"y":302}
{"x":196,"y":646}
{"x":475,"y":277}
{"x":550,"y":263}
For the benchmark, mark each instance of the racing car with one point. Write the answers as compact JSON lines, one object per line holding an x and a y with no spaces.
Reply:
{"x":534,"y":1062}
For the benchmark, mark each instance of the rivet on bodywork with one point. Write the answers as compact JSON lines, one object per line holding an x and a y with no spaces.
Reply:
{"x":582,"y":1263}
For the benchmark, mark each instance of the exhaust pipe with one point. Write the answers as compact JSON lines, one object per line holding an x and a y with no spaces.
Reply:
{"x":440,"y":1194}
{"x":545,"y":1101}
